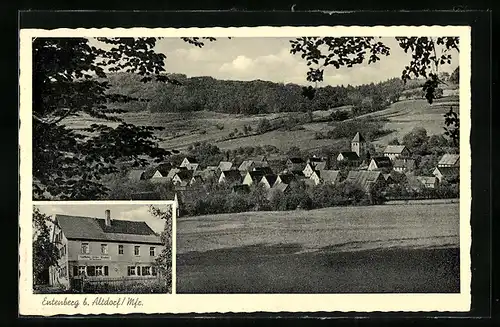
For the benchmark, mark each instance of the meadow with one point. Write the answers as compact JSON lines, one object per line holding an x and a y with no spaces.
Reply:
{"x":184,"y":129}
{"x":396,"y":248}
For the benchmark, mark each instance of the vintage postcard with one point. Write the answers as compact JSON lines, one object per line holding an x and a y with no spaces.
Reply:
{"x":269,"y":169}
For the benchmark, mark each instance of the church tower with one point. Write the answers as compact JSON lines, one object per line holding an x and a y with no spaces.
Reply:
{"x":358,"y":145}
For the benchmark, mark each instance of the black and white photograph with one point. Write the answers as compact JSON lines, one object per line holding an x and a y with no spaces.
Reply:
{"x":98,"y":248}
{"x":300,"y":163}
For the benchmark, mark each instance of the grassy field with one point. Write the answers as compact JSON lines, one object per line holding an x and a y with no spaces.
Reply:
{"x":184,"y":129}
{"x":397,"y":248}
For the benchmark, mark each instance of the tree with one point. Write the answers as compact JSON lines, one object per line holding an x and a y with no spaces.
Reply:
{"x":416,"y":139}
{"x":164,"y":260}
{"x":45,"y":252}
{"x":320,"y":52}
{"x":394,"y":141}
{"x":70,"y":80}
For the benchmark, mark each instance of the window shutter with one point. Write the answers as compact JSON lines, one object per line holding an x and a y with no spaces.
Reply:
{"x":106,"y":271}
{"x":91,"y":270}
{"x":138,"y":271}
{"x":75,"y":270}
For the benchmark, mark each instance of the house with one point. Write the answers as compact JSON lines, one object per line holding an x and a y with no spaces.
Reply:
{"x":207,"y":174}
{"x":253,"y":177}
{"x":285,"y":179}
{"x":136,"y":174}
{"x":449,"y":160}
{"x":162,"y":170}
{"x":295,"y":164}
{"x":190,"y":163}
{"x":348,"y":156}
{"x":101,"y":248}
{"x":183,"y":177}
{"x":377,"y":163}
{"x":446,"y":173}
{"x":358,"y":145}
{"x":225,"y":166}
{"x":428,"y":182}
{"x":249,"y":165}
{"x":388,"y":179}
{"x":264,"y":170}
{"x":366,"y":179}
{"x":314,"y":160}
{"x":174,"y":171}
{"x":325,"y":176}
{"x":281,"y":187}
{"x":242,"y":189}
{"x":396,"y":151}
{"x":311,"y":167}
{"x":197,"y":179}
{"x":230,"y":177}
{"x":403,"y":165}
{"x":268,"y":180}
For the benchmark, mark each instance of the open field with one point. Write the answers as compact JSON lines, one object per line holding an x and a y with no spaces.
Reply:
{"x":184,"y":129}
{"x":397,"y":248}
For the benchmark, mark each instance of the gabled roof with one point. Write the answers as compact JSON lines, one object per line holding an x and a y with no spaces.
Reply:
{"x":448,"y":171}
{"x":246,"y":165}
{"x":232,"y":176}
{"x":192,"y":160}
{"x":350,"y":155}
{"x":396,"y":149}
{"x":449,"y":159}
{"x":271,"y":179}
{"x":427,"y":179}
{"x":287,"y":178}
{"x":264,"y":170}
{"x":298,"y":173}
{"x":185,"y":175}
{"x":320,"y":166}
{"x":136,"y":174}
{"x":382,"y":162}
{"x":225,"y":165}
{"x":364,"y":178}
{"x":164,"y":168}
{"x":329,"y":175}
{"x":174,"y":171}
{"x":313,"y":160}
{"x":358,"y":138}
{"x":88,"y":228}
{"x":256,"y":176}
{"x":296,"y":160}
{"x":280,"y":187}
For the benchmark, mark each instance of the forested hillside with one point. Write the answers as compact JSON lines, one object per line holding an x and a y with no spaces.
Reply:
{"x":251,"y":97}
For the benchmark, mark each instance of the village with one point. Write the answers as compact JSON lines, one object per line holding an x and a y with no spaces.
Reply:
{"x":390,"y":173}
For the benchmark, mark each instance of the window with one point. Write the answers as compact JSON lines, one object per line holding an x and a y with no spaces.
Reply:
{"x":85,"y":248}
{"x":91,"y":270}
{"x":136,"y":250}
{"x":153,"y":270}
{"x":152,"y":251}
{"x":99,"y":271}
{"x":106,"y":271}
{"x":120,"y":249}
{"x":138,"y":269}
{"x":146,"y":271}
{"x":104,"y":249}
{"x":82,"y":270}
{"x":131,"y":271}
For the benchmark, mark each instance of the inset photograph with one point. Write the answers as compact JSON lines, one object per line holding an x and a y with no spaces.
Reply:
{"x":102,"y":248}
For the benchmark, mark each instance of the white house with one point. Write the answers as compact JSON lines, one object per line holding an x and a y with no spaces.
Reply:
{"x":190,"y":163}
{"x":396,"y":151}
{"x":377,"y":163}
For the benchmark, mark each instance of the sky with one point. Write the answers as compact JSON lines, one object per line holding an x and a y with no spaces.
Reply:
{"x":136,"y":212}
{"x":269,"y":59}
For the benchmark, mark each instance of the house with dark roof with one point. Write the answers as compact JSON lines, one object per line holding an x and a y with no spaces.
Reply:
{"x":230,"y":177}
{"x":190,"y":163}
{"x":311,"y":167}
{"x":249,"y":165}
{"x":449,"y":160}
{"x":100,"y":248}
{"x":325,"y":176}
{"x":396,"y":151}
{"x":268,"y":180}
{"x":162,"y":170}
{"x":377,"y":163}
{"x":348,"y":156}
{"x":295,"y":164}
{"x":265,"y":170}
{"x":253,"y":177}
{"x":285,"y":179}
{"x":446,"y":174}
{"x":183,"y":177}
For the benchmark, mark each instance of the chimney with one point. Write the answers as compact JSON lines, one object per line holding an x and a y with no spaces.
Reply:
{"x":107,"y":215}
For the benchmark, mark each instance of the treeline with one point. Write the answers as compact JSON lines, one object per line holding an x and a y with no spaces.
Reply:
{"x":250,"y":97}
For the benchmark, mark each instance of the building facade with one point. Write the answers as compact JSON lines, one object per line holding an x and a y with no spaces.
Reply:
{"x":103,"y":248}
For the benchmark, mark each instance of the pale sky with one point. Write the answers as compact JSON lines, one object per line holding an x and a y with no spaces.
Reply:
{"x":270,"y":59}
{"x":137,"y":212}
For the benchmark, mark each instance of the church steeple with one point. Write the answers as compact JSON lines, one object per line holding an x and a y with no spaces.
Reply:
{"x":358,"y":145}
